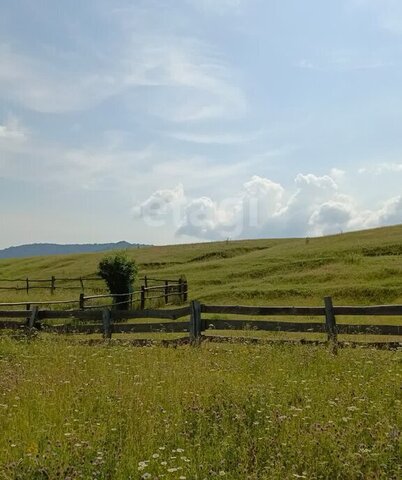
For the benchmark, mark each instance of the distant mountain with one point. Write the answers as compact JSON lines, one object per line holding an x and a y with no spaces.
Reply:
{"x":39,"y":249}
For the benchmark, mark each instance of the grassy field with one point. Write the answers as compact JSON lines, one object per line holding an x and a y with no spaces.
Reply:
{"x":70,"y":410}
{"x":362,"y":267}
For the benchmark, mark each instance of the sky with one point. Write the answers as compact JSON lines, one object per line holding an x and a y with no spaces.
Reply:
{"x":170,"y":121}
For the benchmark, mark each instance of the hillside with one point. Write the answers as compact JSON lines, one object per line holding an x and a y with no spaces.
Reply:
{"x":41,"y":249}
{"x":358,"y":267}
{"x":77,"y":407}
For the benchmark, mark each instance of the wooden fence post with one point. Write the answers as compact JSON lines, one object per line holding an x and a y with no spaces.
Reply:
{"x":330,"y":321}
{"x":195,"y":322}
{"x":142,"y":307}
{"x":33,"y":320}
{"x":82,"y":284}
{"x":146,"y":281}
{"x":82,"y":301}
{"x":181,"y":296}
{"x":28,"y":307}
{"x":185,"y":291}
{"x":27,"y":284}
{"x":107,"y":323}
{"x":52,"y":285}
{"x":166,"y":292}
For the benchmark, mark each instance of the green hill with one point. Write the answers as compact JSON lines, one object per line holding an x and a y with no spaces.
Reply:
{"x":358,"y":267}
{"x":82,"y":408}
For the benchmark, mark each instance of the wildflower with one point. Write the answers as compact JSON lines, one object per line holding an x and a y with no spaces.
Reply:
{"x":142,"y":465}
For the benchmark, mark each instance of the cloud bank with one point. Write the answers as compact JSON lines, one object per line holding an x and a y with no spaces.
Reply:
{"x":262,"y":208}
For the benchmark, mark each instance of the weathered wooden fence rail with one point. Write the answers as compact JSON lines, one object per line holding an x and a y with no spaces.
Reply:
{"x":53,"y":283}
{"x":329,"y":312}
{"x":168,"y":290}
{"x":108,"y":321}
{"x":112,"y":321}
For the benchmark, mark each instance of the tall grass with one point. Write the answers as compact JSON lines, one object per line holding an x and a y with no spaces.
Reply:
{"x":361,"y":267}
{"x":235,"y":411}
{"x":69,"y":411}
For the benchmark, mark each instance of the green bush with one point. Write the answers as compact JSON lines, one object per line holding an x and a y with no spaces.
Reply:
{"x":119,"y":273}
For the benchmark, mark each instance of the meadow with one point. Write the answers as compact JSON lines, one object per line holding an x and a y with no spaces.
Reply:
{"x":360,"y":267}
{"x":74,"y":411}
{"x":71,"y":409}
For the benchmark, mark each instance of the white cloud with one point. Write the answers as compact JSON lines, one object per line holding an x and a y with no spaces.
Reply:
{"x":311,"y":182}
{"x":43,"y":87}
{"x":312,"y":192}
{"x":266,"y":195}
{"x":13,"y":140}
{"x":345,"y":61}
{"x":197,"y":83}
{"x":337,"y":174}
{"x":391,"y":212}
{"x":203,"y":218}
{"x":265,"y":209}
{"x":160,"y":205}
{"x":381,"y":168}
{"x":12,"y":131}
{"x":189,"y":80}
{"x":214,"y":138}
{"x":87,"y":168}
{"x":388,"y":12}
{"x":331,"y":217}
{"x":109,"y":165}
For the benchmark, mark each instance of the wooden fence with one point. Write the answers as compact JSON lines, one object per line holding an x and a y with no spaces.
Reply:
{"x":107,"y":321}
{"x":54,"y":284}
{"x":137,"y":298}
{"x":169,"y":289}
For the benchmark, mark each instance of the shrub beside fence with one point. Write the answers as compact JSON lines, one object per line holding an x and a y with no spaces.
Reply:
{"x":170,"y":289}
{"x":112,"y":321}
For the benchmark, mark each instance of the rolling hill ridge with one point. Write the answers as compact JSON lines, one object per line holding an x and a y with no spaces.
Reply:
{"x":360,"y":267}
{"x":40,"y":249}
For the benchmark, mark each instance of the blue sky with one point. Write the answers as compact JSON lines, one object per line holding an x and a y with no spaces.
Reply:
{"x":170,"y":121}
